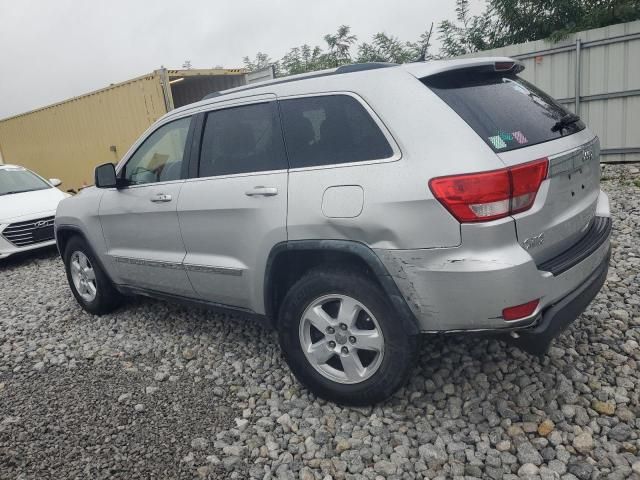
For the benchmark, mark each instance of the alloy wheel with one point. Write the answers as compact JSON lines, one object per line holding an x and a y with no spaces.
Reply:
{"x":83,"y":276}
{"x":341,"y":339}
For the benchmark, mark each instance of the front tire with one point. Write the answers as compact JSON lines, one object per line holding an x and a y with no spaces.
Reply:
{"x":339,"y":336}
{"x":89,"y":283}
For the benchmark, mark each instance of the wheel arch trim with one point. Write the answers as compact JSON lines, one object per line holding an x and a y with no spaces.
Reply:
{"x":75,"y":230}
{"x":349,"y":247}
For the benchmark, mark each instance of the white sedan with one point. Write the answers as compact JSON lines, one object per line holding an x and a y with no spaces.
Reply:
{"x":28,"y":205}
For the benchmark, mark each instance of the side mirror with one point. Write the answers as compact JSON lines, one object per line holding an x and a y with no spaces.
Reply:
{"x":56,"y":182}
{"x":105,"y":176}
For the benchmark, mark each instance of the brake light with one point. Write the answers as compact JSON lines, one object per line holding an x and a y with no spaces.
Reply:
{"x":525,"y":182}
{"x":520,"y":311}
{"x":516,"y":67}
{"x":484,"y":196}
{"x":503,"y":66}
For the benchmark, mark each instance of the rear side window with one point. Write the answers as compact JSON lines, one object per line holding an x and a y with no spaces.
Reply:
{"x":330,"y":129}
{"x":505,"y":110}
{"x":241,"y":140}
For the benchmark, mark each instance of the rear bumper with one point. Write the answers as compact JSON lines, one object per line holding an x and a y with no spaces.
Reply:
{"x":466,"y":288}
{"x":560,"y":315}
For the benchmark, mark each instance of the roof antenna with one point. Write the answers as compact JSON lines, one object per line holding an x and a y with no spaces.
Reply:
{"x":425,"y":47}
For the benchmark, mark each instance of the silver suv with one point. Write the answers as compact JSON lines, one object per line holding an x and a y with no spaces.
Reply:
{"x":355,"y":209}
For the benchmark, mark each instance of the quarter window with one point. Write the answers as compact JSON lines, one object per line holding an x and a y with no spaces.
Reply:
{"x":159,"y":158}
{"x":241,"y":140}
{"x":331,"y":129}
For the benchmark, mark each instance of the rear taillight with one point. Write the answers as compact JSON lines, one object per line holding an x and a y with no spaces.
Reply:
{"x":480,"y":197}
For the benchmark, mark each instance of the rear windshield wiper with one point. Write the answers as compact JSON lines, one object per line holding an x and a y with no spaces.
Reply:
{"x":565,"y":121}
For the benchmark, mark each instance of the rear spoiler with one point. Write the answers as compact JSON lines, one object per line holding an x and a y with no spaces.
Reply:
{"x":487,"y":64}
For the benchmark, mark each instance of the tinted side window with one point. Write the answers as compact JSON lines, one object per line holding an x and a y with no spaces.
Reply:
{"x":159,"y":158}
{"x":242,"y":139}
{"x":326,"y":130}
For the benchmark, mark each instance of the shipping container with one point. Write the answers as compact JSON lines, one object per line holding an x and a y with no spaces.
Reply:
{"x":68,"y":139}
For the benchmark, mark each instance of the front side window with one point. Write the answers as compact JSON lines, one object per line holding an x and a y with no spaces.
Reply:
{"x":241,"y":140}
{"x":19,"y":180}
{"x":159,"y":158}
{"x":330,"y":129}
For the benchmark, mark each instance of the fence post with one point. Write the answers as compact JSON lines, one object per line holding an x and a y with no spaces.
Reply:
{"x":577,"y":75}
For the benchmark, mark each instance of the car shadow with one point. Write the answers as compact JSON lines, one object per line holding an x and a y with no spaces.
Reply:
{"x":24,"y":258}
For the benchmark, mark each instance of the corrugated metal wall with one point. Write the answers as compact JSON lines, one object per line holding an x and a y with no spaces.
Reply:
{"x":608,"y":76}
{"x":67,"y":140}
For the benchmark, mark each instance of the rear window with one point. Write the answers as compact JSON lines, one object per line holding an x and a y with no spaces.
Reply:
{"x":331,"y":129}
{"x":505,"y":110}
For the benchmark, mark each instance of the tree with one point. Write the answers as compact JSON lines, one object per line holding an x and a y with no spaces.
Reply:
{"x":527,"y":20}
{"x":385,"y":48}
{"x":261,"y":60}
{"x":470,"y":34}
{"x":302,"y":59}
{"x":505,"y":22}
{"x":187,"y":64}
{"x":340,"y":46}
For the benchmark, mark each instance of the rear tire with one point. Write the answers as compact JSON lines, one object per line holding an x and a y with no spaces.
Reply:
{"x":89,"y":283}
{"x":357,"y":362}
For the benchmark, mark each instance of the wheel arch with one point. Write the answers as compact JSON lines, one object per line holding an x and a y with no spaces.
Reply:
{"x":289,"y":260}
{"x":64,"y":233}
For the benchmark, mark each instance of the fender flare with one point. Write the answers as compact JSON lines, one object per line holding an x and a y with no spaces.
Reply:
{"x":350,"y":247}
{"x":75,"y":230}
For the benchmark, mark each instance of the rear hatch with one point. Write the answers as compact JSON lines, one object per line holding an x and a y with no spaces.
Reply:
{"x":522,"y":124}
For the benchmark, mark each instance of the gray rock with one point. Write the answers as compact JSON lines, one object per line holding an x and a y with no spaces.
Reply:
{"x":583,"y":443}
{"x":620,"y":432}
{"x":124,"y":397}
{"x":434,"y":456}
{"x":385,"y":467}
{"x":229,"y":463}
{"x":528,"y":454}
{"x":199,"y":443}
{"x":582,"y":470}
{"x":528,"y":470}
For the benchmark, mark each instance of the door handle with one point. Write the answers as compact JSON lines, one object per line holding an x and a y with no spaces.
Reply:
{"x":262,"y":191}
{"x":161,"y":197}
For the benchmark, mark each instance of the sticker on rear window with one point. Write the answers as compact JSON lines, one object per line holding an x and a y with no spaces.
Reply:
{"x":497,"y":142}
{"x":500,"y":141}
{"x":519,"y":137}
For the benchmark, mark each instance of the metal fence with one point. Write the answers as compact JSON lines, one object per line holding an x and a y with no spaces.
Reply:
{"x":595,"y":73}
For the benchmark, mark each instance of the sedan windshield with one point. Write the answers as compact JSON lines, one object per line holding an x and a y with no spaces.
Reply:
{"x":18,"y":180}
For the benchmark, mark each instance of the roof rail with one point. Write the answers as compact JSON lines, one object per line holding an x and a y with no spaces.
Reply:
{"x":354,"y":67}
{"x":361,"y":67}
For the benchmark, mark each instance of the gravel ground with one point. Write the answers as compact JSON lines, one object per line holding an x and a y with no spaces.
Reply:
{"x":162,"y":391}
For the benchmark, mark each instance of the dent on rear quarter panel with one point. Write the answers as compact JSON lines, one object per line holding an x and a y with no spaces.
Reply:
{"x":400,"y":270}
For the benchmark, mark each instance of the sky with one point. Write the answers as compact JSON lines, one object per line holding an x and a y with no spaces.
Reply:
{"x":51,"y":50}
